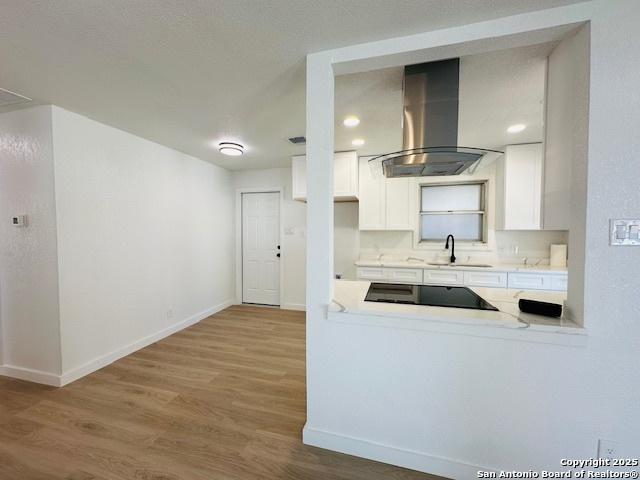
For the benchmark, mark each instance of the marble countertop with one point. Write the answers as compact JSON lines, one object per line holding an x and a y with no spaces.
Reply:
{"x":349,"y":298}
{"x":496,"y":267}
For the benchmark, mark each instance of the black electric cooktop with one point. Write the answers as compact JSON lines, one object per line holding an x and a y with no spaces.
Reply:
{"x":431,"y":295}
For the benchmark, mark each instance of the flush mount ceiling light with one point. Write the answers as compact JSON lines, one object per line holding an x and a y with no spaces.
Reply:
{"x":357,"y":142}
{"x":518,"y":127}
{"x":351,"y":121}
{"x":230,"y":148}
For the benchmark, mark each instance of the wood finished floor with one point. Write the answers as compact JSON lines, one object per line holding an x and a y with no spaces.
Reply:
{"x":223,"y":399}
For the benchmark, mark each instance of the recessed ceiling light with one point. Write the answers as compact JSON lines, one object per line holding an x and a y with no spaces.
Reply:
{"x":230,"y":148}
{"x":518,"y":127}
{"x":357,"y":142}
{"x":351,"y":121}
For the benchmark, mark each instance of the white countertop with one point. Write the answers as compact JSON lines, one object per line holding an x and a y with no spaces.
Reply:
{"x":496,"y":267}
{"x":349,"y":298}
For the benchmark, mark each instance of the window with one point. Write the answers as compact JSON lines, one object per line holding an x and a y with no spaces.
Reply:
{"x":456,"y":209}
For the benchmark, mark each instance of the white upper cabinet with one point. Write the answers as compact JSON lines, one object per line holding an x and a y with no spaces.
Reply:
{"x":345,"y":177}
{"x":519,"y":188}
{"x":385,"y":203}
{"x":398,"y":198}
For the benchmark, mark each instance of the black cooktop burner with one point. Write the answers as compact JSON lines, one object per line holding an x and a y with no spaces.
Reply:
{"x":432,"y":295}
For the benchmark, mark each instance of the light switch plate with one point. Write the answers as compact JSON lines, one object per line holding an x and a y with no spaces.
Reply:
{"x":624,"y":232}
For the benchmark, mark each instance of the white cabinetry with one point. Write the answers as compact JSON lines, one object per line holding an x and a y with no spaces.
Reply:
{"x":532,"y":189}
{"x":390,"y":275}
{"x":372,"y":273}
{"x":556,"y":281}
{"x":519,"y":188}
{"x":385,"y":203}
{"x":345,"y":177}
{"x":530,"y":281}
{"x":485,"y":279}
{"x":404,"y":275}
{"x":538,"y":281}
{"x":436,"y":276}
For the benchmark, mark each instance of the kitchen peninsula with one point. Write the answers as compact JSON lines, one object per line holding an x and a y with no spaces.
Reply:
{"x":350,"y":306}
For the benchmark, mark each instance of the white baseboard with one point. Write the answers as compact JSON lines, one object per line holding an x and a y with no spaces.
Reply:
{"x":104,"y":360}
{"x":392,"y":455}
{"x":294,"y":306}
{"x":36,"y":376}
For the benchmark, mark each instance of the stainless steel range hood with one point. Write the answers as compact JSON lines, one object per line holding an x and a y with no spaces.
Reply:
{"x":430,"y":125}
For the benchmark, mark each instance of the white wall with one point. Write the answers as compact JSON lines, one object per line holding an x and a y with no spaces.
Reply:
{"x":450,"y":404}
{"x":28,"y":263}
{"x":295,"y":231}
{"x":346,"y":239}
{"x":567,"y":138}
{"x":144,"y":239}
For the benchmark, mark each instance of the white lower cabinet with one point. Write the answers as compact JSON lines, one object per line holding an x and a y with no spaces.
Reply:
{"x":443,"y":277}
{"x":391,"y":275}
{"x":404,"y":275}
{"x":469,"y":278}
{"x":529,"y":281}
{"x":371,"y":273}
{"x":559,"y":282}
{"x":485,"y":279}
{"x":538,"y":281}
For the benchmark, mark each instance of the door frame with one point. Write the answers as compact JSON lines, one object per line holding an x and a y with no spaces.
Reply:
{"x":238,"y":240}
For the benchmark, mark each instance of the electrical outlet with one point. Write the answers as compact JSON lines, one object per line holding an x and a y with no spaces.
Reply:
{"x":607,"y":449}
{"x":169,"y":314}
{"x":19,"y":221}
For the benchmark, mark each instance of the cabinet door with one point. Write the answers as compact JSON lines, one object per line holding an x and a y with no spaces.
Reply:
{"x":522,"y":179}
{"x":299,"y":177}
{"x":345,"y":176}
{"x":443,"y":277}
{"x":404,"y":275}
{"x":371,"y":205}
{"x":371,"y":273}
{"x":485,"y":279}
{"x":398,"y":203}
{"x":559,"y":282}
{"x":529,"y":281}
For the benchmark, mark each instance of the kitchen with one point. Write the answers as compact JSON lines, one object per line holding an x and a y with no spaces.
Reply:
{"x":479,"y":225}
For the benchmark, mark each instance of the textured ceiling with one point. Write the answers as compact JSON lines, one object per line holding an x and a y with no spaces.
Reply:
{"x":186,"y":73}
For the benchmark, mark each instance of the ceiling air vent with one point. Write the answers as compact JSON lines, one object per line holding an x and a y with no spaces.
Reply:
{"x":298,"y":140}
{"x":10,"y":98}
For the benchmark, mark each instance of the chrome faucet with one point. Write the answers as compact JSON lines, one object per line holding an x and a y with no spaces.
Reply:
{"x":453,"y":246}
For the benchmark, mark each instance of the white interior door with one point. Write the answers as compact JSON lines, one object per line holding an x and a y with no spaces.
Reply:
{"x":260,"y":248}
